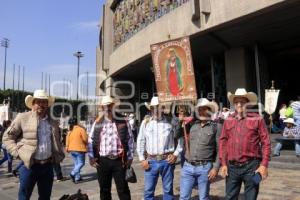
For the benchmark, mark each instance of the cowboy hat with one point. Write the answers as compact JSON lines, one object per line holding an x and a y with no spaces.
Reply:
{"x":241,"y":92}
{"x":154,"y":102}
{"x":290,"y":121}
{"x":107,"y":100}
{"x":203,"y":102}
{"x":39,"y":94}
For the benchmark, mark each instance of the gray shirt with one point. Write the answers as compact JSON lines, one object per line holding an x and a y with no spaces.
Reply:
{"x":203,"y":143}
{"x":44,"y":149}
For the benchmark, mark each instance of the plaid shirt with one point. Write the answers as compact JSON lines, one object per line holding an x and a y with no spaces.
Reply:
{"x":244,"y":139}
{"x":110,"y":143}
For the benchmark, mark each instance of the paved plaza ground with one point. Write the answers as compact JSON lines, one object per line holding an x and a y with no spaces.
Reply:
{"x":283,"y":182}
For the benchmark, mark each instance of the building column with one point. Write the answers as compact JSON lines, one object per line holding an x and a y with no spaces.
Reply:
{"x":240,"y":70}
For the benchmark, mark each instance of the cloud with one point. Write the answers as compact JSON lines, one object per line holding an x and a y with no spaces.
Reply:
{"x":86,"y":26}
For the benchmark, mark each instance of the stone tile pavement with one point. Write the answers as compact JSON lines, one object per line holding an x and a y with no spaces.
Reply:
{"x":282,"y":184}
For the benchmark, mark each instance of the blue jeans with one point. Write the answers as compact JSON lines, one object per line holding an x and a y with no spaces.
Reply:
{"x":7,"y":157}
{"x":20,"y":164}
{"x":151,"y":175}
{"x":279,"y":146}
{"x":242,"y":174}
{"x":40,"y":174}
{"x":189,"y":175}
{"x":79,"y":161}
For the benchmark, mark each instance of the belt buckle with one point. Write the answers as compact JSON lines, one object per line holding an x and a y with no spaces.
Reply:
{"x":159,"y":157}
{"x":112,"y":157}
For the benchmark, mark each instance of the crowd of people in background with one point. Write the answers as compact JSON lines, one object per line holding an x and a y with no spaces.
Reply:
{"x":203,"y":140}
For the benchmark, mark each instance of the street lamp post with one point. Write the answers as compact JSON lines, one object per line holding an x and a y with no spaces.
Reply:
{"x":79,"y":55}
{"x":5,"y":44}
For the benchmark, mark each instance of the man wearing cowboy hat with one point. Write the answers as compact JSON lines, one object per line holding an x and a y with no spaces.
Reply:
{"x":291,"y":130}
{"x":111,"y":149}
{"x":245,"y":147}
{"x":201,"y":165}
{"x":34,"y":138}
{"x":156,"y":139}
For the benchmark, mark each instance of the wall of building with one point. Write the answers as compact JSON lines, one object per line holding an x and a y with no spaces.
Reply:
{"x":176,"y":24}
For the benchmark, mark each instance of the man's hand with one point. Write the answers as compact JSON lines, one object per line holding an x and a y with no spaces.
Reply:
{"x":213,"y":173}
{"x":128,"y":163}
{"x":145,"y":164}
{"x":171,"y":159}
{"x":93,"y":162}
{"x":263,"y":171}
{"x":224,"y":171}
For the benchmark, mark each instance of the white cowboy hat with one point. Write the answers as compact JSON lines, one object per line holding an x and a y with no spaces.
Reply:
{"x":203,"y":102}
{"x":241,"y":92}
{"x":154,"y":102}
{"x":290,"y":121}
{"x":38,"y":94}
{"x":107,"y":100}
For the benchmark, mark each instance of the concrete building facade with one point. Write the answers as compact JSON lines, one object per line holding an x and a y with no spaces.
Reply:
{"x":234,"y":43}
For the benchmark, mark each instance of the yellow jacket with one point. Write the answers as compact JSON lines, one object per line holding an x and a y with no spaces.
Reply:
{"x":77,"y":139}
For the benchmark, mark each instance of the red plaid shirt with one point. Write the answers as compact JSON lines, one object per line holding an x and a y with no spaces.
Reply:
{"x":245,"y":139}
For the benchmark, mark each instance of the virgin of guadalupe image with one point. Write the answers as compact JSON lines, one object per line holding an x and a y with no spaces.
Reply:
{"x":174,"y":68}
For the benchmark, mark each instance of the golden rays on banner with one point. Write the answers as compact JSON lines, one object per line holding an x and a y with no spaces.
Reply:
{"x":174,"y":71}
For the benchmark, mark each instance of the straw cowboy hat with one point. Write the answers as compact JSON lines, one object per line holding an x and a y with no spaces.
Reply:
{"x":241,"y":92}
{"x":290,"y":121}
{"x":154,"y":102}
{"x":38,"y":94}
{"x":107,"y":100}
{"x":203,"y":102}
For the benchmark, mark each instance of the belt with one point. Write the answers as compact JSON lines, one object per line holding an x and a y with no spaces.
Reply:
{"x":159,"y":157}
{"x":198,"y":162}
{"x":240,"y":164}
{"x":111,"y":157}
{"x":42,"y":162}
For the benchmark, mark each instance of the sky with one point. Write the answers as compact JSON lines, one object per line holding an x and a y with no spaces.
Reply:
{"x":43,"y":36}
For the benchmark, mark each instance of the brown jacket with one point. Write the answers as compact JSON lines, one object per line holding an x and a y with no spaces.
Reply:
{"x":21,"y":140}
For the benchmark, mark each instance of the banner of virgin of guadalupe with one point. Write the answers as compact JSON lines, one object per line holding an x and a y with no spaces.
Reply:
{"x":174,"y":71}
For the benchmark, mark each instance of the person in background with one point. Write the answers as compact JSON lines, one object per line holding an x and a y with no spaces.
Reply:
{"x":7,"y":157}
{"x":289,"y":113}
{"x":282,"y":116}
{"x":225,"y":112}
{"x":290,"y":131}
{"x":296,"y":110}
{"x":133,"y":125}
{"x":76,"y":145}
{"x":179,"y":117}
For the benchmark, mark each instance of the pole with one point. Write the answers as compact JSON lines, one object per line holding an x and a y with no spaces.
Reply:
{"x":213,"y":86}
{"x":19,"y":78}
{"x":5,"y":44}
{"x":14,"y":77}
{"x":79,"y":55}
{"x":63,"y":88}
{"x":49,"y":84}
{"x":46,"y":82}
{"x":23,"y":78}
{"x":78,"y":63}
{"x":257,"y":70}
{"x":4,"y":68}
{"x":87,"y":85}
{"x":42,"y":82}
